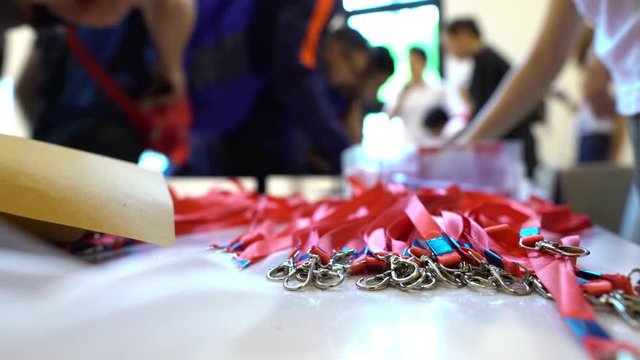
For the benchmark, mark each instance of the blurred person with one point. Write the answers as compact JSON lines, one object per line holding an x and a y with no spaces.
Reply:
{"x":617,"y":29}
{"x":435,"y":121}
{"x":345,"y":60}
{"x":381,"y":68}
{"x":416,"y":99}
{"x":65,"y":105}
{"x":364,"y":99}
{"x":597,"y":117}
{"x":257,"y":88}
{"x":162,"y":116}
{"x":170,"y":23}
{"x":599,"y":125}
{"x":456,"y":78}
{"x":345,"y":55}
{"x":463,"y":39}
{"x":434,"y":124}
{"x":353,"y":73}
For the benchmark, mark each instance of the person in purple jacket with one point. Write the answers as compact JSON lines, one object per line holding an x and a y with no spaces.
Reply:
{"x":257,"y":85}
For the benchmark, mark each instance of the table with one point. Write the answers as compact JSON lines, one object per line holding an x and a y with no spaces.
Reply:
{"x":187,"y":302}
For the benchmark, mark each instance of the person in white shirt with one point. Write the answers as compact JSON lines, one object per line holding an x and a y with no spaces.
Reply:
{"x":416,"y":99}
{"x":617,"y":45}
{"x":598,"y":123}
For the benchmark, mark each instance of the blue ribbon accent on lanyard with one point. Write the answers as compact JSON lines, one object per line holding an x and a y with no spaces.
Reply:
{"x":422,"y":244}
{"x":529,"y":231}
{"x":355,"y":253}
{"x":237,"y":246}
{"x":588,"y":274}
{"x":243,"y":263}
{"x":583,"y":328}
{"x":493,"y":258}
{"x":582,"y":281}
{"x":455,"y":243}
{"x":440,"y":246}
{"x":406,"y":253}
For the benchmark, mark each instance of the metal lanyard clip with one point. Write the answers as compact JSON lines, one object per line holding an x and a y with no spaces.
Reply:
{"x":626,"y":306}
{"x":498,"y":278}
{"x":531,"y":239}
{"x":283,"y":270}
{"x":312,"y":271}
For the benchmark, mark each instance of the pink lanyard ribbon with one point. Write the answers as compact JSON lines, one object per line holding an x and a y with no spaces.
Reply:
{"x":387,"y":218}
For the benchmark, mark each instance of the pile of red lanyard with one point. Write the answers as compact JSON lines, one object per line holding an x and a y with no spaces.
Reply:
{"x":417,"y":240}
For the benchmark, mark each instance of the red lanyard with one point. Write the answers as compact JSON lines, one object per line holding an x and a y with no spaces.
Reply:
{"x":558,"y":275}
{"x":386,"y":220}
{"x":431,"y":232}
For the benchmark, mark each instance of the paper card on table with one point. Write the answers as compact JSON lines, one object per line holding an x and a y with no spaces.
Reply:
{"x":56,"y":187}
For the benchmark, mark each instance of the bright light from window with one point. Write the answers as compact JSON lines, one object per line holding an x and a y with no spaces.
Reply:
{"x":402,"y":30}
{"x":382,"y":138}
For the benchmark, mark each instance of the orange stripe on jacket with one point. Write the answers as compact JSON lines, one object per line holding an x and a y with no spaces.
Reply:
{"x":309,"y":50}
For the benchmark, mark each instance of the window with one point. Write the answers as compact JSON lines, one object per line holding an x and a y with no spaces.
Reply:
{"x":399,"y":25}
{"x":359,"y":5}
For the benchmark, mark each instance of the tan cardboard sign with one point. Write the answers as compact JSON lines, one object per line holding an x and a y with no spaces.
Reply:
{"x":57,"y":192}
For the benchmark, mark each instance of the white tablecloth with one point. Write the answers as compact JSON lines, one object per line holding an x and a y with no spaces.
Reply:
{"x":188,"y":302}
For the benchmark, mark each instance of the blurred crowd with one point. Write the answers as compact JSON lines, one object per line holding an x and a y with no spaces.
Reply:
{"x":247,"y":87}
